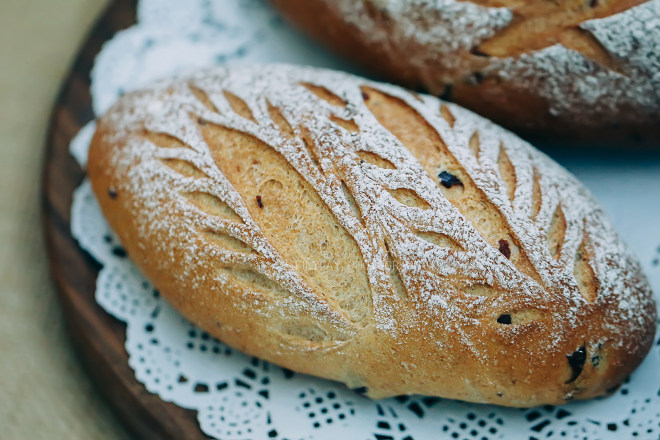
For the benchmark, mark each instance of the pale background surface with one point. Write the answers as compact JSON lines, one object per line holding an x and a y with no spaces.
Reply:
{"x":44,"y":393}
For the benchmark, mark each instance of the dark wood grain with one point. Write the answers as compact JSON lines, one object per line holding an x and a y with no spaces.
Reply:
{"x":98,"y":337}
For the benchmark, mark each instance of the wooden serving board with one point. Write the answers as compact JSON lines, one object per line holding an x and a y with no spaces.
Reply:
{"x":98,"y":337}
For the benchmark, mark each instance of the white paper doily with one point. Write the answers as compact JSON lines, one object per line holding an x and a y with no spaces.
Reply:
{"x":240,"y":397}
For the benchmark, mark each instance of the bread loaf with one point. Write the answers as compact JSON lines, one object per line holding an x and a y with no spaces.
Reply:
{"x":363,"y":233}
{"x":584,"y":69}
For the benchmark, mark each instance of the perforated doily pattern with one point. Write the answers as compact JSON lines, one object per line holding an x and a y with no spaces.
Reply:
{"x":239,"y":397}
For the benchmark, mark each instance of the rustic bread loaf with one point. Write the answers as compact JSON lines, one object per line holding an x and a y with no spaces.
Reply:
{"x":359,"y":232}
{"x":585,"y":69}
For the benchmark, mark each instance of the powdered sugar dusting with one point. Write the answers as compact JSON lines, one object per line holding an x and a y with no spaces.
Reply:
{"x":436,"y":278}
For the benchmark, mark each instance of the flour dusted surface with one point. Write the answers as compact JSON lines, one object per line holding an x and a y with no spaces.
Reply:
{"x":572,"y":83}
{"x":446,"y":291}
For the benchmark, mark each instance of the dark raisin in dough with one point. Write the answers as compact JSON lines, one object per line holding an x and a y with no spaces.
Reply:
{"x":448,"y":180}
{"x":576,"y":361}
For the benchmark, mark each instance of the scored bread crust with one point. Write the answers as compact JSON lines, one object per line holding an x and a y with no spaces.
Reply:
{"x":359,"y":232}
{"x":587,"y":70}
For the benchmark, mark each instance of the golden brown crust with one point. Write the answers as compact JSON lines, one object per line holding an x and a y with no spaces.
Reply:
{"x":531,"y":98}
{"x":355,"y":231}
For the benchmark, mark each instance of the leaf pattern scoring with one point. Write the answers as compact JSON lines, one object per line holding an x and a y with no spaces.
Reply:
{"x":319,"y":194}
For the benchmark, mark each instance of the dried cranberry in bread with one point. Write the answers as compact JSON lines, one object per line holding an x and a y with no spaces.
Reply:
{"x":582,"y":68}
{"x":359,"y":232}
